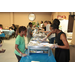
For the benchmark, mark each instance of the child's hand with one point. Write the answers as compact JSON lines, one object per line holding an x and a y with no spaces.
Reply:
{"x":26,"y":48}
{"x":24,"y":55}
{"x":44,"y":39}
{"x":54,"y":46}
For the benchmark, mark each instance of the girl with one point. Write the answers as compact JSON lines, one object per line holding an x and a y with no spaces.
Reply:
{"x":20,"y":43}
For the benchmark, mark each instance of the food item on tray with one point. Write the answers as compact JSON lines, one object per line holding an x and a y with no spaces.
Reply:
{"x":38,"y":42}
{"x":44,"y":45}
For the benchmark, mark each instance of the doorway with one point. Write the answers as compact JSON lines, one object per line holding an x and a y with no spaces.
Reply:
{"x":70,"y":29}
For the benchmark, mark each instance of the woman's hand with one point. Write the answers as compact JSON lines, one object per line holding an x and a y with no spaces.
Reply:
{"x":54,"y":46}
{"x":44,"y":39}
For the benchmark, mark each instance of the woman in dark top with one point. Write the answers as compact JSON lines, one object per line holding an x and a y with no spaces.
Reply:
{"x":44,"y":27}
{"x":62,"y":53}
{"x":14,"y":27}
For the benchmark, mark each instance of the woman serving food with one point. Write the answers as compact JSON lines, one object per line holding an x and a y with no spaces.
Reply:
{"x":62,"y":53}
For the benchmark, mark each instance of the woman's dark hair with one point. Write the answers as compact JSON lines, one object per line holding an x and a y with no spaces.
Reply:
{"x":10,"y":28}
{"x":55,"y":24}
{"x":22,"y":28}
{"x":0,"y":25}
{"x":46,"y":22}
{"x":13,"y":25}
{"x":56,"y":21}
{"x":41,"y":21}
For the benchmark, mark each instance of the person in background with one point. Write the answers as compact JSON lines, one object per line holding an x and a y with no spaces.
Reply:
{"x":1,"y":31}
{"x":14,"y":27}
{"x":49,"y":22}
{"x":10,"y":28}
{"x":44,"y":27}
{"x":1,"y":27}
{"x":41,"y":24}
{"x":62,"y":52}
{"x":29,"y":32}
{"x":52,"y":36}
{"x":16,"y":33}
{"x":48,"y":29}
{"x":20,"y":43}
{"x":34,"y":26}
{"x":3,"y":50}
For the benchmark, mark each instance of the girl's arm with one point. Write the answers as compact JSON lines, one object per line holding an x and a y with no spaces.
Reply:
{"x":16,"y":47}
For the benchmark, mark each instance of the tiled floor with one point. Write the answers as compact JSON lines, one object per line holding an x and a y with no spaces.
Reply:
{"x":9,"y":55}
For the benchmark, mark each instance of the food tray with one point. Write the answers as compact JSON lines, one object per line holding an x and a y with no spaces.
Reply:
{"x":36,"y":43}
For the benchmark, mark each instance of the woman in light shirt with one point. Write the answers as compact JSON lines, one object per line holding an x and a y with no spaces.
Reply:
{"x":48,"y":30}
{"x":41,"y":24}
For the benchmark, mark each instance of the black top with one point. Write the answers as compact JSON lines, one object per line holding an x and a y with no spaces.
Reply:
{"x":14,"y":28}
{"x":58,"y":40}
{"x":61,"y":55}
{"x":44,"y":28}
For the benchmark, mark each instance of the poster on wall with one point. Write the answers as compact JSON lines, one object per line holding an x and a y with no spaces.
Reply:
{"x":61,"y":17}
{"x":63,"y":25}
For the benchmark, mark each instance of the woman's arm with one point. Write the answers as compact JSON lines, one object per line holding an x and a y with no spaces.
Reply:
{"x":49,"y":34}
{"x":64,"y":40}
{"x":46,"y":31}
